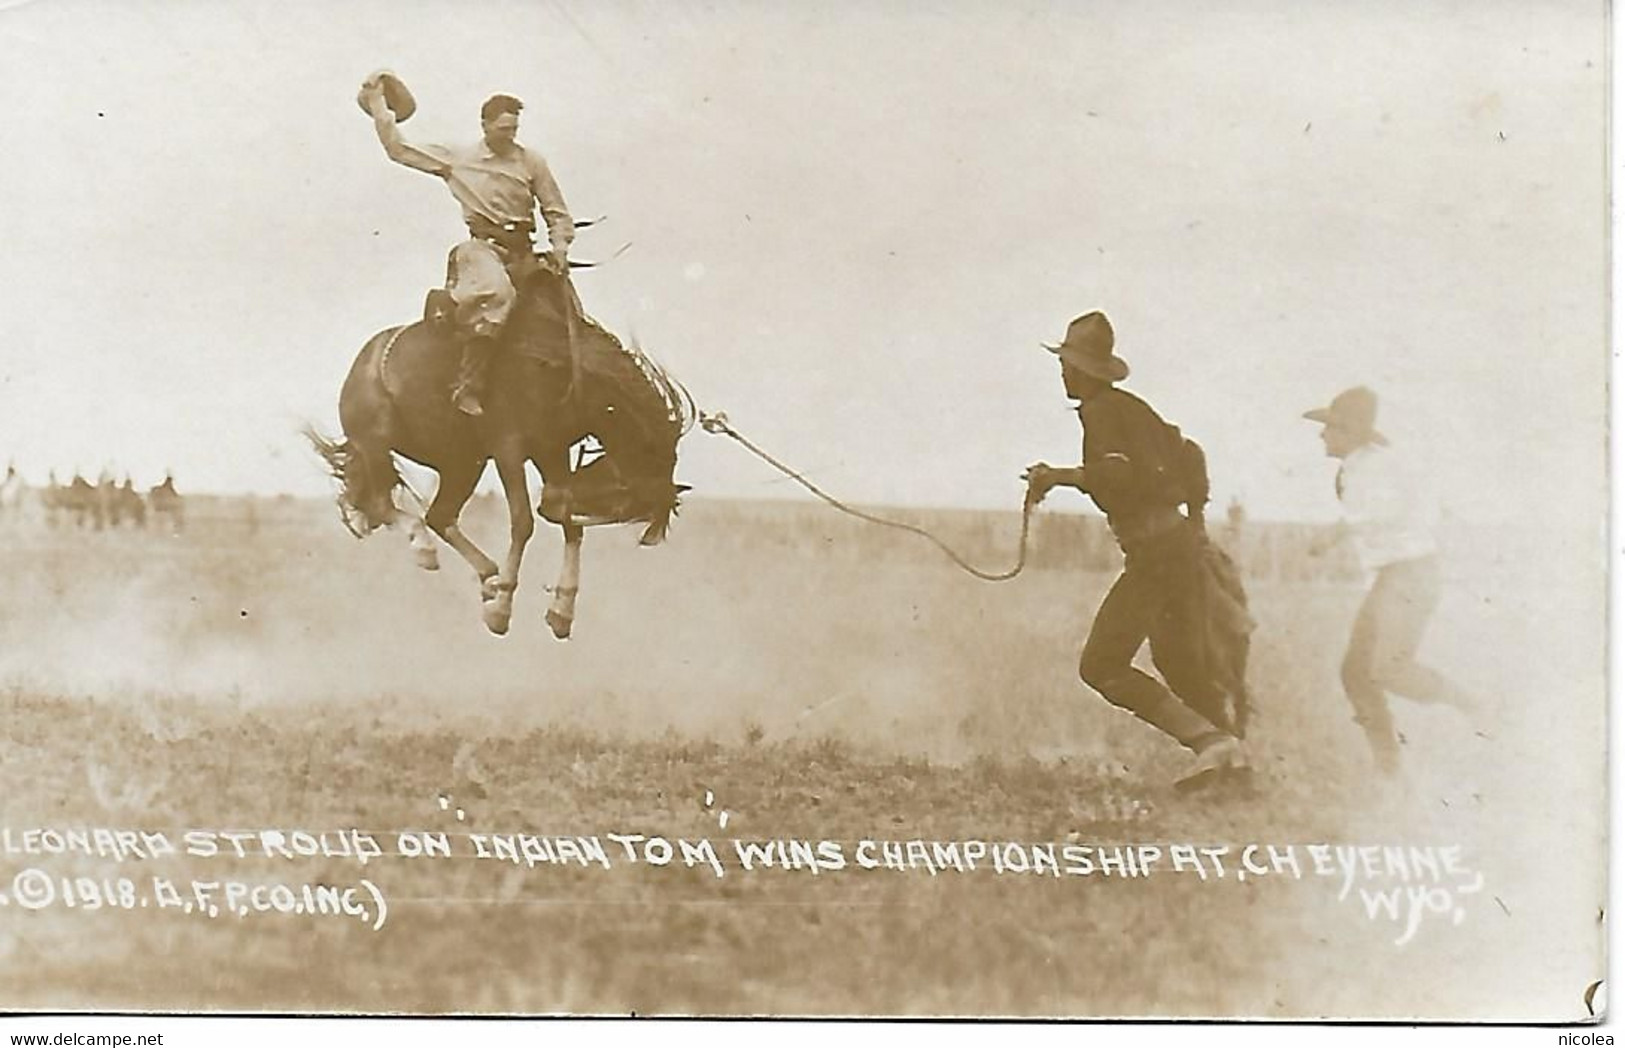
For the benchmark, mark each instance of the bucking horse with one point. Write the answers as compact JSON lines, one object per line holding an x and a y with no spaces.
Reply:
{"x":600,"y":420}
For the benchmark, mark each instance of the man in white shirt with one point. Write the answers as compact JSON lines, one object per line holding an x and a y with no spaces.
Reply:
{"x":499,"y":183}
{"x":1390,"y":522}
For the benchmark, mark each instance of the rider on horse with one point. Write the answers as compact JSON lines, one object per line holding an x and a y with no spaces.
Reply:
{"x":562,"y":386}
{"x":499,"y":183}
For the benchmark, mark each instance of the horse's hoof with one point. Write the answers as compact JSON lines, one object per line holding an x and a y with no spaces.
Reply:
{"x":559,"y":624}
{"x":497,"y":619}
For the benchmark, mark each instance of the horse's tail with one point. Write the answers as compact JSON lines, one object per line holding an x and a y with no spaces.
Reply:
{"x":367,"y":483}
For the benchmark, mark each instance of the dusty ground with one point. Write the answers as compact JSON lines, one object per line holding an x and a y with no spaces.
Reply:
{"x":286,"y":677}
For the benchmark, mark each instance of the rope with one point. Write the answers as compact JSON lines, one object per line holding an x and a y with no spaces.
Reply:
{"x":718,"y":423}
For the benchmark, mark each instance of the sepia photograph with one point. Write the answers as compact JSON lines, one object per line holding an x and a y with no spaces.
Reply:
{"x":827,"y":510}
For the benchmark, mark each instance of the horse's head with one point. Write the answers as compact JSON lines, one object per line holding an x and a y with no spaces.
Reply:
{"x":647,"y":417}
{"x":621,"y":490}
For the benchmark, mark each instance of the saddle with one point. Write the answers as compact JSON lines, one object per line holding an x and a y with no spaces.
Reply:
{"x":440,"y":310}
{"x":536,"y":286}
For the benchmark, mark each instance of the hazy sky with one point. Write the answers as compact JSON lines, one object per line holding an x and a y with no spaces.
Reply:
{"x":851,"y":224}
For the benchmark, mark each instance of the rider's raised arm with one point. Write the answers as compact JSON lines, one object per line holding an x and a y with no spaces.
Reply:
{"x":561,"y":228}
{"x":434,"y":160}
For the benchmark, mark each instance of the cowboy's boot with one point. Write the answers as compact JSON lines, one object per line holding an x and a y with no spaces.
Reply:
{"x":1384,"y":748}
{"x":1377,"y":721}
{"x":471,"y":376}
{"x":1218,"y":753}
{"x":1216,"y":757}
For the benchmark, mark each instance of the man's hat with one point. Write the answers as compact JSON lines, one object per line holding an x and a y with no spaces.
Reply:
{"x":1354,"y":410}
{"x":396,"y":96}
{"x":1088,"y":347}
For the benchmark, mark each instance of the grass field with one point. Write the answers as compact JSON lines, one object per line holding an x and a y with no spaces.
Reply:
{"x":279,"y":675}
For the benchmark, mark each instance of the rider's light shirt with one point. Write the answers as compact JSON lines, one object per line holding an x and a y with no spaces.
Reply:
{"x":499,"y":189}
{"x":1391,"y":517}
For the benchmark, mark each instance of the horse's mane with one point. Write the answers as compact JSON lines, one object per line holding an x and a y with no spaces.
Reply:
{"x":643,"y":390}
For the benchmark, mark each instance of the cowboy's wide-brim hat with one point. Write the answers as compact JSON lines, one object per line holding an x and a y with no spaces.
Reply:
{"x":1354,"y":410}
{"x":1088,"y":346}
{"x":396,"y":96}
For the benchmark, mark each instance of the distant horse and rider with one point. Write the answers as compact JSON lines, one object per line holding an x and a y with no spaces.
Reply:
{"x":82,"y":505}
{"x":165,"y":505}
{"x":78,"y":504}
{"x":17,"y":501}
{"x":505,"y":366}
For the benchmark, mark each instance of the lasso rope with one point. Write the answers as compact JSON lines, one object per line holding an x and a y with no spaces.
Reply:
{"x":718,"y":423}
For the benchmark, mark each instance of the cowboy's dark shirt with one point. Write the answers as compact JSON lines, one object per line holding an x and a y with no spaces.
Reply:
{"x":1132,"y":459}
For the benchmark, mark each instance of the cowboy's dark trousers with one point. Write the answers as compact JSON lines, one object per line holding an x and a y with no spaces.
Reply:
{"x":1129,"y":615}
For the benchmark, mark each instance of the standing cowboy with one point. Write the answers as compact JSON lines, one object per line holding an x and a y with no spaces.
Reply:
{"x":1391,"y":528}
{"x":1176,"y":590}
{"x":499,"y":184}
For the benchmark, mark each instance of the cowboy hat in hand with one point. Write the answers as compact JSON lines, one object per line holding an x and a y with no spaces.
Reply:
{"x":386,"y":85}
